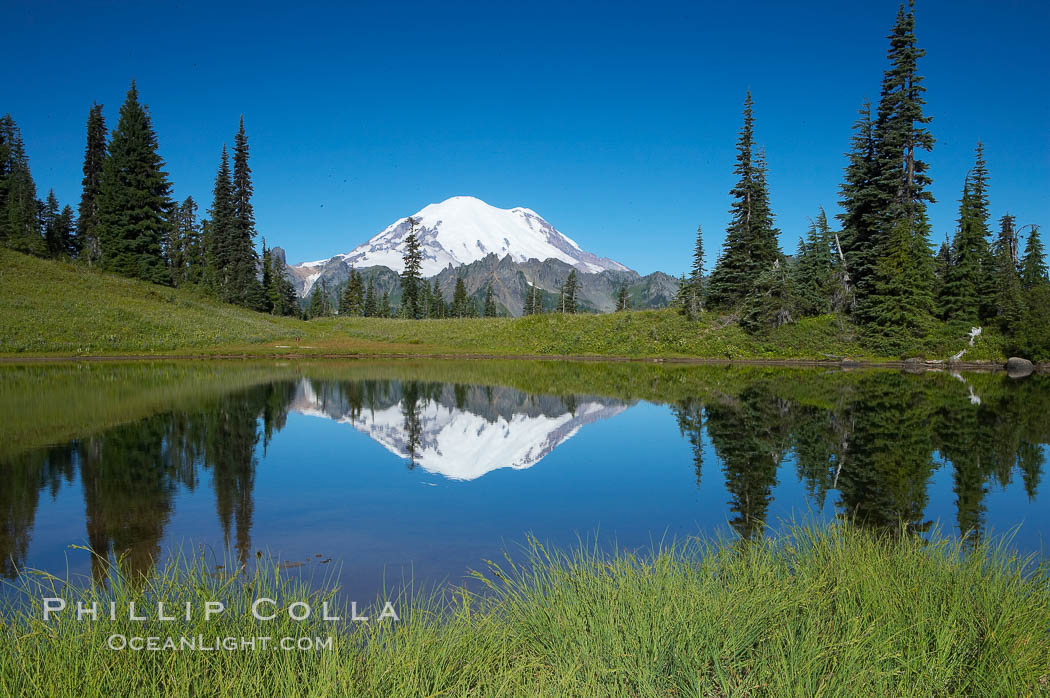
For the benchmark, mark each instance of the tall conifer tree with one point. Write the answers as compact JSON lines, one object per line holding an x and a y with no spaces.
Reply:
{"x":244,"y":259}
{"x":1009,"y":298}
{"x":860,"y":203}
{"x":490,"y":303}
{"x":19,"y":219}
{"x":898,"y":301}
{"x":371,"y":302}
{"x":220,"y":245}
{"x":411,"y":279}
{"x":1033,"y":264}
{"x":94,"y":159}
{"x":133,"y":201}
{"x":968,"y":295}
{"x":751,"y":239}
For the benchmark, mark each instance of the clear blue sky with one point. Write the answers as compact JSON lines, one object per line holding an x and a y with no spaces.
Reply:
{"x":614,"y":121}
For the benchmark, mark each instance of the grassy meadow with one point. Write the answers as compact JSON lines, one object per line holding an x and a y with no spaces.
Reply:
{"x":52,"y":308}
{"x":822,"y":611}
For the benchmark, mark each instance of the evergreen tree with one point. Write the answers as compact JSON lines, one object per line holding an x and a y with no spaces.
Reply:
{"x":567,"y":300}
{"x":968,"y":278}
{"x":533,"y":304}
{"x":19,"y":219}
{"x":191,"y":237}
{"x":384,"y":305}
{"x":1033,"y":264}
{"x":49,"y":225}
{"x":411,"y":279}
{"x":750,"y":245}
{"x":278,"y":294}
{"x":897,"y":302}
{"x":860,"y":202}
{"x":220,"y":246}
{"x":813,"y":273}
{"x":490,"y":303}
{"x":244,"y":260}
{"x":371,"y":303}
{"x":352,"y":299}
{"x":460,"y":300}
{"x":623,"y":298}
{"x":437,"y":302}
{"x":268,"y":281}
{"x":691,"y":291}
{"x":770,"y":303}
{"x":1009,"y":297}
{"x":1033,"y":340}
{"x":133,"y":203}
{"x":67,"y":226}
{"x":316,"y":305}
{"x":942,"y":266}
{"x":94,"y":158}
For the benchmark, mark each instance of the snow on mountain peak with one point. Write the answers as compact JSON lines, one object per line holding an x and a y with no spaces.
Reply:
{"x":464,"y":229}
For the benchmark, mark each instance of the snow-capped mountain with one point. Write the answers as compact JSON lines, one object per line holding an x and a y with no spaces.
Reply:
{"x":459,"y":231}
{"x":464,"y":437}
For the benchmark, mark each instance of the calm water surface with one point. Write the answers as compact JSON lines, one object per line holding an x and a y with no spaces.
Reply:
{"x":392,"y":470}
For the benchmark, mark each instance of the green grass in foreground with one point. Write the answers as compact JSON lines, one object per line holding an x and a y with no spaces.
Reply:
{"x":51,"y":307}
{"x":826,"y":611}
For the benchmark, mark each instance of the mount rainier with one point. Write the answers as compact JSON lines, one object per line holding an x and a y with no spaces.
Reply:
{"x":509,"y":250}
{"x":459,"y":231}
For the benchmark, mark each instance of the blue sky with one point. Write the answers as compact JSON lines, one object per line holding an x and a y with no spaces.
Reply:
{"x":614,"y":121}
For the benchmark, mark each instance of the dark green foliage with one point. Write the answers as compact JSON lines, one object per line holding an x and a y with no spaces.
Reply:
{"x":58,"y":228}
{"x":320,"y":303}
{"x":490,"y":303}
{"x":133,"y":201}
{"x":243,"y":259}
{"x":967,"y":296}
{"x":812,"y":276}
{"x":771,"y":302}
{"x":352,"y":299}
{"x":1009,"y":297}
{"x":411,"y":278}
{"x":218,"y":244}
{"x":860,"y":202}
{"x":94,"y":159}
{"x":438,"y":308}
{"x":371,"y":308}
{"x":691,"y":291}
{"x":384,"y":305}
{"x":897,"y":302}
{"x":623,"y":299}
{"x":533,"y":304}
{"x":942,"y":265}
{"x":19,"y":219}
{"x":279,"y":294}
{"x":567,"y":298}
{"x":461,"y":305}
{"x":1033,"y":265}
{"x":899,"y":307}
{"x":189,"y":262}
{"x":1032,"y":340}
{"x":751,"y":240}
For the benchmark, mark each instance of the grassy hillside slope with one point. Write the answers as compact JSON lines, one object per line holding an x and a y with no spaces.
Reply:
{"x":59,"y":308}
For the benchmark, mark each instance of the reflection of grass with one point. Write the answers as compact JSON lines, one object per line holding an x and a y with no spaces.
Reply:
{"x":42,"y":404}
{"x":830,"y":611}
{"x":59,"y":308}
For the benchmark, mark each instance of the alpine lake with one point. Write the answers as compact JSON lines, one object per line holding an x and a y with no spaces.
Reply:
{"x":375,"y":474}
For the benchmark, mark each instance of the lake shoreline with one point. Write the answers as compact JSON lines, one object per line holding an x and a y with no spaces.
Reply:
{"x":845,"y":364}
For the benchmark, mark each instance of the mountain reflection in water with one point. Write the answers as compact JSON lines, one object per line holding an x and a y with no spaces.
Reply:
{"x":883,"y":441}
